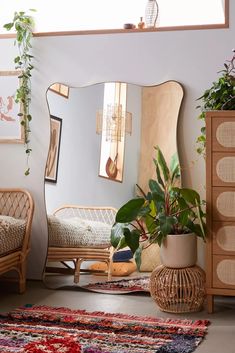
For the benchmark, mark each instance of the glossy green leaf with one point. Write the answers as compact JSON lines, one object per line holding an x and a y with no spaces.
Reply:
{"x":159,"y":178}
{"x":166,"y":224}
{"x":132,"y":238}
{"x":117,"y":233}
{"x":190,"y":196}
{"x":162,"y":164}
{"x":156,"y":188}
{"x":130,"y":211}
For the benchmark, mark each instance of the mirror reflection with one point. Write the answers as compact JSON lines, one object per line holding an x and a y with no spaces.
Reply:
{"x":101,"y":134}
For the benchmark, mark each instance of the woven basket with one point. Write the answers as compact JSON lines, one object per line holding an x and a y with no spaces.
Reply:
{"x":150,"y":258}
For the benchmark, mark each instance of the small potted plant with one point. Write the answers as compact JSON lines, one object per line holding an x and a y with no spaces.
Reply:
{"x":167,"y":214}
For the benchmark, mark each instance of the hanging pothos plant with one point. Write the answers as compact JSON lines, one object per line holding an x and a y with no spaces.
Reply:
{"x":221,"y":96}
{"x":23,"y":24}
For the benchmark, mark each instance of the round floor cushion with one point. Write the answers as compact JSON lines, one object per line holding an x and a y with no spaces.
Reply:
{"x":118,"y":268}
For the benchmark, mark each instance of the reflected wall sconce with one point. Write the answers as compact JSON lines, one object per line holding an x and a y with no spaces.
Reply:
{"x":114,"y":122}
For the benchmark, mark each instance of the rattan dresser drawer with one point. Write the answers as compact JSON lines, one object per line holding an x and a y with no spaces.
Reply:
{"x":223,"y":271}
{"x":223,"y":133}
{"x":223,"y":169}
{"x":224,"y":238}
{"x":223,"y":199}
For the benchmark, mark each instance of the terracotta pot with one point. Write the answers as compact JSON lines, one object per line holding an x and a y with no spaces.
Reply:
{"x":179,"y":251}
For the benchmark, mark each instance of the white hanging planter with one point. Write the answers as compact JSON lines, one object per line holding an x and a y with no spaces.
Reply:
{"x":179,"y":250}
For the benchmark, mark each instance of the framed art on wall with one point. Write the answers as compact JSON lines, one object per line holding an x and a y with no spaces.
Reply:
{"x":54,"y":150}
{"x":11,"y":130}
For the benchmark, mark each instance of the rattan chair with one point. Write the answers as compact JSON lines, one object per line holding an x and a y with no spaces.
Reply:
{"x":17,"y":203}
{"x":79,"y":254}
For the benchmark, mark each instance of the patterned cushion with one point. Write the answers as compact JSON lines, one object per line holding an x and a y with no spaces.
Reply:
{"x":12,"y":232}
{"x":77,"y":232}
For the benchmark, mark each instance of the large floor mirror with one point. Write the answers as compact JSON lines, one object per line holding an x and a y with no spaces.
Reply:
{"x":102,"y":144}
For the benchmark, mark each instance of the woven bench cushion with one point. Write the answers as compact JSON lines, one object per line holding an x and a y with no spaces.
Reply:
{"x":12,"y":232}
{"x":77,"y":232}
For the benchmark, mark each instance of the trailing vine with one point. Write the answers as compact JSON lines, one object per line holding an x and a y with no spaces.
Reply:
{"x":220,"y":96}
{"x":23,"y":24}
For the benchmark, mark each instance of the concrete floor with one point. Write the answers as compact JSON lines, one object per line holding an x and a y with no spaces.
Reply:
{"x":221,"y":332}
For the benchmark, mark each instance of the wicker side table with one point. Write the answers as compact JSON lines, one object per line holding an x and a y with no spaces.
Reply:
{"x":178,"y":290}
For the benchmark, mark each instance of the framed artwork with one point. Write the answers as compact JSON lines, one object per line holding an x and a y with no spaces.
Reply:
{"x":54,"y":150}
{"x":11,"y":130}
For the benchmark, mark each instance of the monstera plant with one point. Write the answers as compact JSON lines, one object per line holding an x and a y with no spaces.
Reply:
{"x":165,"y":209}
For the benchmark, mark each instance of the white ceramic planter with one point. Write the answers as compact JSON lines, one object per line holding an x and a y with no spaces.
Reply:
{"x":179,"y":251}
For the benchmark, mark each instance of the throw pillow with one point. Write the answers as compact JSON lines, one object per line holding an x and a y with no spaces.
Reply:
{"x":77,"y":232}
{"x":12,"y":232}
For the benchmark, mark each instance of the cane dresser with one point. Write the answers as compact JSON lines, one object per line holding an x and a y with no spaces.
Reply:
{"x":220,"y":209}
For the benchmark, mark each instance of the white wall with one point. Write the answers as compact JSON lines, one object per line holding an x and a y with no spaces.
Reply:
{"x":191,"y":57}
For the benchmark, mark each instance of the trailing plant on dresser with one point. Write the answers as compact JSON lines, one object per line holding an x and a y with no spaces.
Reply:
{"x":23,"y":24}
{"x":220,"y":96}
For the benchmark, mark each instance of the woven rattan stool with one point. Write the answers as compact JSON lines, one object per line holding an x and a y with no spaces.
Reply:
{"x":178,"y":290}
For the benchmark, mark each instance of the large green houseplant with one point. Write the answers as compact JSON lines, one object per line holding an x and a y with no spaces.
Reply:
{"x":165,"y":209}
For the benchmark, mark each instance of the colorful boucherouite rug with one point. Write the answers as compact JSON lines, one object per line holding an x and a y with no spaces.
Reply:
{"x":43,"y":329}
{"x":128,"y":285}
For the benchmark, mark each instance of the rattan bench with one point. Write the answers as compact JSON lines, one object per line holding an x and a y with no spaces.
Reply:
{"x":79,"y":254}
{"x":16,"y":204}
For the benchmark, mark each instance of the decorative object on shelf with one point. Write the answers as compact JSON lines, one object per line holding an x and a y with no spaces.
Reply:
{"x":129,"y":26}
{"x":220,"y":96}
{"x":151,"y":13}
{"x":141,"y":24}
{"x":179,"y":290}
{"x":165,"y":209}
{"x":23,"y":25}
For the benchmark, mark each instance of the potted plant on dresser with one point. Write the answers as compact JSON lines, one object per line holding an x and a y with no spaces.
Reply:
{"x":167,"y":214}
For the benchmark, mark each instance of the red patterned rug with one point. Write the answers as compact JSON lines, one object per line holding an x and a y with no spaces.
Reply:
{"x":43,"y":329}
{"x":122,"y":286}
